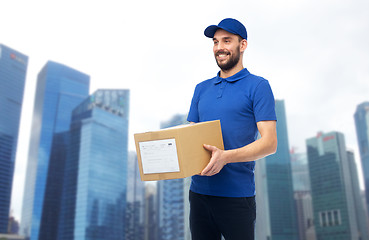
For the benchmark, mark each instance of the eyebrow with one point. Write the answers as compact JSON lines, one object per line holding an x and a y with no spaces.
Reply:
{"x":224,"y":38}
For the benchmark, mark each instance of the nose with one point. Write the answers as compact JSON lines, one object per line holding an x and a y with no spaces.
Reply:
{"x":220,"y":45}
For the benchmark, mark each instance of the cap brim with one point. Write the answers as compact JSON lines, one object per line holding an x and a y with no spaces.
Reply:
{"x":210,"y":31}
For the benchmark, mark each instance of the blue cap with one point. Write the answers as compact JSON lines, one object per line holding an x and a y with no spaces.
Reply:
{"x":230,"y":25}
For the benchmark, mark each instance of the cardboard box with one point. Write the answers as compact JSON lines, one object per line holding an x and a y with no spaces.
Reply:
{"x":176,"y":152}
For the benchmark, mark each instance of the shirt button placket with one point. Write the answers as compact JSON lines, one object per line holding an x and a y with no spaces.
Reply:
{"x":221,"y":88}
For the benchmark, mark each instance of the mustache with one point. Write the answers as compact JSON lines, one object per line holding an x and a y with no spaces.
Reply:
{"x":221,"y":52}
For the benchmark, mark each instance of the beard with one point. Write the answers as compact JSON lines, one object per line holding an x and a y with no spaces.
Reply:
{"x":231,"y":62}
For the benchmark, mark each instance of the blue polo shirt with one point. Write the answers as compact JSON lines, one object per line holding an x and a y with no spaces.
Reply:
{"x":239,"y":102}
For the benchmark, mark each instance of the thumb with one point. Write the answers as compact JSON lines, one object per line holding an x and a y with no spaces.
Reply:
{"x":209,"y":147}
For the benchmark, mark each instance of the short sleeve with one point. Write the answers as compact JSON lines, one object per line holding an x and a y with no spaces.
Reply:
{"x":264,"y":102}
{"x":193,"y":114}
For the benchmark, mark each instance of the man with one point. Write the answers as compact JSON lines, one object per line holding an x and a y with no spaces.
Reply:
{"x":222,"y":197}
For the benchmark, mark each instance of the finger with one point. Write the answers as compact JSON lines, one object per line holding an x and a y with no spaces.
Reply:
{"x":209,"y":147}
{"x":206,"y":169}
{"x":212,"y":172}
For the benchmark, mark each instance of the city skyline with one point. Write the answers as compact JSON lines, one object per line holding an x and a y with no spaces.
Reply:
{"x":317,"y":66}
{"x":58,"y":72}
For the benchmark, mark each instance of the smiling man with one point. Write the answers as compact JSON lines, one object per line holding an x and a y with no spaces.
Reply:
{"x":222,"y":197}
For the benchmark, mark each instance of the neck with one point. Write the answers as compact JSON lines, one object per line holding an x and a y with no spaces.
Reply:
{"x":232,"y":71}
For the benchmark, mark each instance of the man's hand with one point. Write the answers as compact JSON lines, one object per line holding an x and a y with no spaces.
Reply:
{"x":217,"y":161}
{"x":264,"y":146}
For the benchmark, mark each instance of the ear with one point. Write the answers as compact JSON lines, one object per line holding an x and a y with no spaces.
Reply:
{"x":243,"y":45}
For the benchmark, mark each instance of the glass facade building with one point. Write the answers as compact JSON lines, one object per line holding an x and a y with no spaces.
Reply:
{"x":135,"y":219}
{"x":13,"y":69}
{"x":54,"y":185}
{"x":302,"y":194}
{"x":95,"y":181}
{"x":361,"y":117}
{"x":275,"y":203}
{"x":151,"y":211}
{"x":173,"y":205}
{"x":361,"y":213}
{"x":173,"y":209}
{"x":59,"y":90}
{"x":300,"y":171}
{"x":331,"y":187}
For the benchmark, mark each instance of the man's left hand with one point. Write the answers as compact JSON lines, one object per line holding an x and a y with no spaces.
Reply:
{"x":217,"y":161}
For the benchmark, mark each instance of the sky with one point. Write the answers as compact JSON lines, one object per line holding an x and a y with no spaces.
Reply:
{"x":314,"y":53}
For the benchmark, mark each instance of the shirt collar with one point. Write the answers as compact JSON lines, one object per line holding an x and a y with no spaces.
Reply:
{"x":241,"y":74}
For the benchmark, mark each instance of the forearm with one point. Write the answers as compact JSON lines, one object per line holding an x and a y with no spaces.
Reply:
{"x":251,"y":152}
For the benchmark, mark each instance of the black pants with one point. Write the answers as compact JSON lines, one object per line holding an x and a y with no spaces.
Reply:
{"x":211,"y":217}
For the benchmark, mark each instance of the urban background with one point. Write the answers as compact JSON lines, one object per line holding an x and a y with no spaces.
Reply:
{"x":78,"y":79}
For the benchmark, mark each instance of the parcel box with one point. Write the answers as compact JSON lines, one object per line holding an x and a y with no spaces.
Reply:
{"x":176,"y":152}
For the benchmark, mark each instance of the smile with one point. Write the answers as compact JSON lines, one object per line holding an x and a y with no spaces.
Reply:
{"x":222,"y":55}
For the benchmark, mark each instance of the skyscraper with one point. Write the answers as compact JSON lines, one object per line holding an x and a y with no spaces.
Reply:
{"x":134,"y":225}
{"x":300,"y":171}
{"x":173,"y":205}
{"x":275,"y":204}
{"x":13,"y":68}
{"x":95,"y":181}
{"x":362,"y":131}
{"x":174,"y":209}
{"x":59,"y":90}
{"x":151,"y":225}
{"x":331,"y":187}
{"x":361,"y":214}
{"x":302,"y":194}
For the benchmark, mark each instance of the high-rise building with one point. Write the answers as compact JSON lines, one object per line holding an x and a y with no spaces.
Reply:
{"x":173,"y":205}
{"x":151,"y":226}
{"x":95,"y":182}
{"x":361,"y":213}
{"x":300,"y":171}
{"x":13,"y":69}
{"x":173,"y":209}
{"x":275,"y":203}
{"x":134,"y":224}
{"x":302,"y":194}
{"x":59,"y":90}
{"x":331,"y":187}
{"x":54,"y":186}
{"x":362,"y":132}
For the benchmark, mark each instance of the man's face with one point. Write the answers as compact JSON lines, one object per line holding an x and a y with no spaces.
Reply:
{"x":226,"y":49}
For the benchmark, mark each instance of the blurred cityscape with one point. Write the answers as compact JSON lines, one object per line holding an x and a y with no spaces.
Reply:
{"x":83,"y":183}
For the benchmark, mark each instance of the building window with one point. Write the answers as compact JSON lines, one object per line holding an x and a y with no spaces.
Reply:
{"x":324,"y":219}
{"x":337,"y":216}
{"x":330,"y":218}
